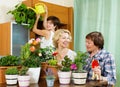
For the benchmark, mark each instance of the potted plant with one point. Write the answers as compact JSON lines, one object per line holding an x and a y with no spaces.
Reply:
{"x":46,"y":54}
{"x":6,"y":62}
{"x":50,"y":77}
{"x":11,"y":75}
{"x":23,"y":15}
{"x":30,"y":58}
{"x":23,"y":78}
{"x":52,"y":64}
{"x":78,"y":74}
{"x":64,"y":73}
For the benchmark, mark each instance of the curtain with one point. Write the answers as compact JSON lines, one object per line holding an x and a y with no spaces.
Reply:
{"x":102,"y":16}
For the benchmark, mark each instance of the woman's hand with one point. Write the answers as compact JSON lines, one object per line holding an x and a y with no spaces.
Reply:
{"x":97,"y":72}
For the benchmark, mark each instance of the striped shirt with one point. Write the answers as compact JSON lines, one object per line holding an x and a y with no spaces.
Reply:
{"x":107,"y":64}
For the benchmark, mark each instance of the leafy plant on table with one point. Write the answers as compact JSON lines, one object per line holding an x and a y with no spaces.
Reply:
{"x":66,"y":63}
{"x":23,"y":71}
{"x":10,"y":60}
{"x":79,"y":62}
{"x":11,"y":71}
{"x":53,"y":62}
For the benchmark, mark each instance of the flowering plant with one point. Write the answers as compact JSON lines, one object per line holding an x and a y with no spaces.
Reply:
{"x":32,"y":54}
{"x":29,"y":48}
{"x":53,"y":62}
{"x":29,"y":55}
{"x":66,"y":63}
{"x":79,"y":62}
{"x":46,"y":54}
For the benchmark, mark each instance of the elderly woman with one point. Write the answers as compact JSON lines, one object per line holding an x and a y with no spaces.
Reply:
{"x":105,"y":67}
{"x":61,"y":41}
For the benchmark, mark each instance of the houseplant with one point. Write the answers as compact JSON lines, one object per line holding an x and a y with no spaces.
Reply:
{"x":50,"y":78}
{"x":11,"y":75}
{"x":52,"y":64}
{"x":30,"y":58}
{"x":23,"y":15}
{"x":6,"y":62}
{"x":78,"y":74}
{"x":23,"y":78}
{"x":64,"y":72}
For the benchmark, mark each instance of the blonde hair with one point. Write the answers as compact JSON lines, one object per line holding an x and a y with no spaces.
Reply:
{"x":58,"y":34}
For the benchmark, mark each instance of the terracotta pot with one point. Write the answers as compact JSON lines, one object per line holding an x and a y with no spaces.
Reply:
{"x":55,"y":71}
{"x":44,"y":65}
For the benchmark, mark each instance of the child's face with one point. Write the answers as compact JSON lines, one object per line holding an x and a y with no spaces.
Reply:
{"x":50,"y":25}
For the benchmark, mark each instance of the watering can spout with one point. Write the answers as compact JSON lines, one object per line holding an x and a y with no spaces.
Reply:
{"x":39,"y":8}
{"x":32,"y":9}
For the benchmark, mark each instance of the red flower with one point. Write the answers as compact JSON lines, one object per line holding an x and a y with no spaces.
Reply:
{"x":55,"y":53}
{"x":95,"y":63}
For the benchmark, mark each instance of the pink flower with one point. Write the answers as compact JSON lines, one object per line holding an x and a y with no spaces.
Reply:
{"x":73,"y":67}
{"x":38,"y":40}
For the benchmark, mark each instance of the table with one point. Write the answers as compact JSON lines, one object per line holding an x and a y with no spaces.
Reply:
{"x":42,"y":83}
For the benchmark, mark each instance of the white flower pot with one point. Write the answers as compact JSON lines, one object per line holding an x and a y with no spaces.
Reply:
{"x":79,"y":75}
{"x":64,"y":77}
{"x":79,"y":78}
{"x":34,"y":74}
{"x":11,"y":79}
{"x":24,"y":81}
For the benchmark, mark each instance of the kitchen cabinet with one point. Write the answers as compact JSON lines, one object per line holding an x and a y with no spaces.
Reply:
{"x":13,"y":36}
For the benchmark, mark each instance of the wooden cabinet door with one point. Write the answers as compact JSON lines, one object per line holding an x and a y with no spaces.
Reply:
{"x":5,"y":35}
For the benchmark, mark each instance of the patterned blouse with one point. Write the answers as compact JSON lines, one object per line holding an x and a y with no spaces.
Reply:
{"x":107,"y":64}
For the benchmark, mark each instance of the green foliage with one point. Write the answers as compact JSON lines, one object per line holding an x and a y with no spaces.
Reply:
{"x":11,"y":71}
{"x":23,"y":71}
{"x":46,"y":53}
{"x":28,"y":58}
{"x":66,"y":63}
{"x":25,"y":51}
{"x":23,"y":15}
{"x":52,"y":62}
{"x":10,"y":60}
{"x":50,"y":77}
{"x":32,"y":61}
{"x":80,"y":60}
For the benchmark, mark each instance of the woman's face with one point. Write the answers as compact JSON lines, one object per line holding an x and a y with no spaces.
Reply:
{"x":64,"y":40}
{"x":50,"y":25}
{"x":90,"y":45}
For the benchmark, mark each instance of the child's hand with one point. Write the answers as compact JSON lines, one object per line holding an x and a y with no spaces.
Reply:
{"x":46,"y":9}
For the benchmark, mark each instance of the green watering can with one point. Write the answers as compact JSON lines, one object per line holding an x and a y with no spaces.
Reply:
{"x":39,"y":8}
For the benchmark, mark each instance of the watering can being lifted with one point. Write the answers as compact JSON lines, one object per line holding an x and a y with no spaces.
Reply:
{"x":39,"y":8}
